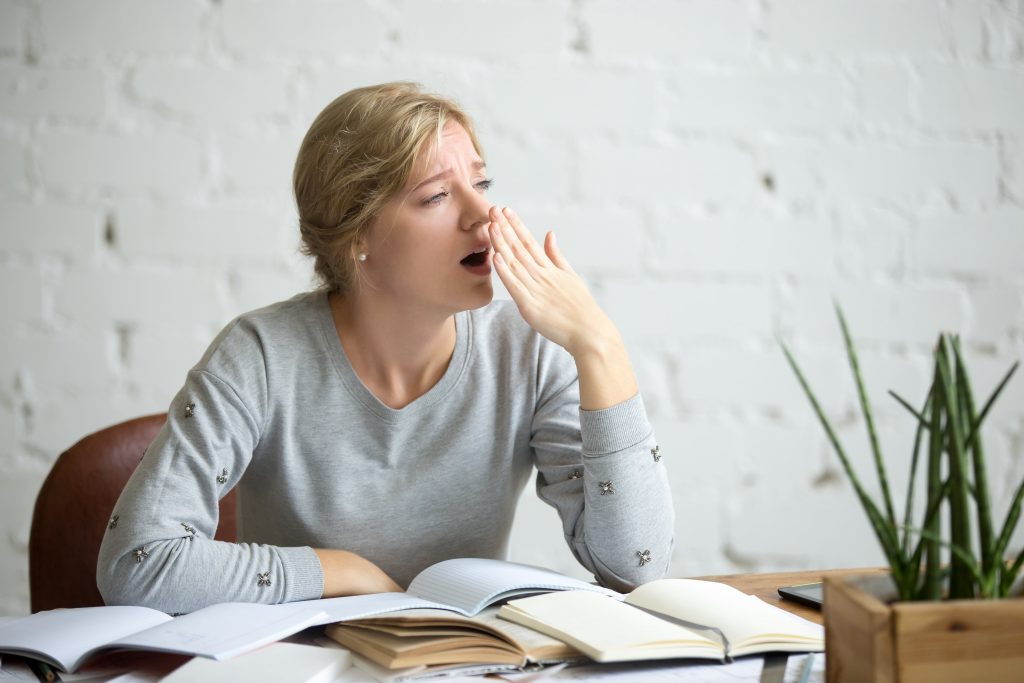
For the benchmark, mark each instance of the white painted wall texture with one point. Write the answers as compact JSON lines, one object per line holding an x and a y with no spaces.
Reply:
{"x":718,"y":170}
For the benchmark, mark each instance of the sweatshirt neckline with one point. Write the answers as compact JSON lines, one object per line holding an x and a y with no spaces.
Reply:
{"x":359,"y":391}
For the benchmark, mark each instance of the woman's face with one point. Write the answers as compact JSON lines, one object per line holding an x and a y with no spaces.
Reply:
{"x":417,"y":249}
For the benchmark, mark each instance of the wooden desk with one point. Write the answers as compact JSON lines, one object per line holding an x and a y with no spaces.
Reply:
{"x":765,"y":586}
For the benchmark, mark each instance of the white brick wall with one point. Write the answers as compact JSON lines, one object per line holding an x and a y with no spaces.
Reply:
{"x":718,"y":171}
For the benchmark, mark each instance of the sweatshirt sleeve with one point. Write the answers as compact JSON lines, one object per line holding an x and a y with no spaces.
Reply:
{"x":602,"y":471}
{"x":159,"y":550}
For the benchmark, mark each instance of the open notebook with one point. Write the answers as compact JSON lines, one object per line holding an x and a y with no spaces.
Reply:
{"x":667,"y":619}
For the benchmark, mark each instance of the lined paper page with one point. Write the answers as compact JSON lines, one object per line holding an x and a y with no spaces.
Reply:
{"x":224,"y":630}
{"x":66,"y":636}
{"x":364,"y":606}
{"x":470,"y":583}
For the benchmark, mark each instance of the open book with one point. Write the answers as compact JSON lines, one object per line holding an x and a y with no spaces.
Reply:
{"x":437,"y":637}
{"x":667,"y":619}
{"x":66,"y":638}
{"x":465,"y":585}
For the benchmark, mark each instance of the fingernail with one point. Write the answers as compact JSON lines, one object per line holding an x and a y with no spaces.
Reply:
{"x":508,"y":212}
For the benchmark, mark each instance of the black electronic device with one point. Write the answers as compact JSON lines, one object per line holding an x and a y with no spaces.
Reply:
{"x":804,"y":593}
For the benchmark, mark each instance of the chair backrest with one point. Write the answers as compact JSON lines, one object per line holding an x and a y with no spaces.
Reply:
{"x":74,"y":507}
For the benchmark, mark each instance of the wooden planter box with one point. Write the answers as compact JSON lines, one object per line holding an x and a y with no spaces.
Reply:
{"x":868,"y":639}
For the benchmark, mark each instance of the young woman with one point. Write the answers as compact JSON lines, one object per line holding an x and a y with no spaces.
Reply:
{"x":390,"y":419}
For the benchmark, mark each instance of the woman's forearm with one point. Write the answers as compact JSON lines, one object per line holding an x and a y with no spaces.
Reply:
{"x":606,"y":375}
{"x":346,"y":573}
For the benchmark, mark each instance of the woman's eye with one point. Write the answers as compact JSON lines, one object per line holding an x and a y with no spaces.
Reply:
{"x":436,"y":199}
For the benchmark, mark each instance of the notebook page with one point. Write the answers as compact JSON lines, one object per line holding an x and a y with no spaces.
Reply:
{"x":606,"y":629}
{"x":739,"y":616}
{"x":363,"y":606}
{"x":527,"y":638}
{"x":469,"y":584}
{"x":68,"y":635}
{"x":224,"y":630}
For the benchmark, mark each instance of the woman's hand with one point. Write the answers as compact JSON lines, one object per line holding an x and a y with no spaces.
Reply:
{"x":555,"y":302}
{"x":346,"y":573}
{"x":551,"y":297}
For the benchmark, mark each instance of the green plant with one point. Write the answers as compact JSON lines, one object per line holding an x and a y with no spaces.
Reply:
{"x":956,"y":476}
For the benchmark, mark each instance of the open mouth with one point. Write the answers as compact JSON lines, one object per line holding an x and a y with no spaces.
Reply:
{"x":475,"y":260}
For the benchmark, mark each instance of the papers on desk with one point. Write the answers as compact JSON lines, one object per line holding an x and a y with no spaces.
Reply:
{"x":66,"y":638}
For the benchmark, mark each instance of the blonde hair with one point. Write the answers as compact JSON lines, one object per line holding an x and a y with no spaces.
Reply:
{"x":358,"y":154}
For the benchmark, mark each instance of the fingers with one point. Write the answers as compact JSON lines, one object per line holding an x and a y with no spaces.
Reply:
{"x":511,"y":218}
{"x":506,"y":245}
{"x":554,"y":253}
{"x":519,"y":293}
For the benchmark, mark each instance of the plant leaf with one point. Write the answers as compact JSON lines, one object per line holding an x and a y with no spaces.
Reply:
{"x":886,"y":534}
{"x":865,"y":405}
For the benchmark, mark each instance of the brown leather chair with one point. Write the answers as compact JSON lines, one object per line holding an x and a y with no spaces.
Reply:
{"x":74,"y":507}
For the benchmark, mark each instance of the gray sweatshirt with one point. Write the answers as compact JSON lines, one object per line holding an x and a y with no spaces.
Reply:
{"x":275,"y":410}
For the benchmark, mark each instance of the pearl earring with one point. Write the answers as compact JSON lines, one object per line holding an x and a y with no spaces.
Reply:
{"x":362,"y":257}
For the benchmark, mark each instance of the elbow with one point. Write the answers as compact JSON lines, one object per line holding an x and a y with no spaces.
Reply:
{"x":642,"y":566}
{"x":117,"y":585}
{"x":121,"y":580}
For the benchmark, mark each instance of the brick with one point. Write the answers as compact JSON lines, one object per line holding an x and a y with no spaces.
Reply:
{"x":856,"y":27}
{"x":257,"y":30}
{"x":257,"y":287}
{"x":539,"y":173}
{"x":699,"y":453}
{"x":744,"y":245}
{"x":220,"y":233}
{"x":997,"y":314}
{"x":160,"y":356}
{"x":693,"y":30}
{"x":519,"y":31}
{"x":75,"y":94}
{"x":1013,"y":164}
{"x":872,"y":241}
{"x":49,"y":228}
{"x":689,"y":311}
{"x":260,"y":165}
{"x":977,"y":246}
{"x":866,"y":173}
{"x":71,"y":365}
{"x":434,"y":75}
{"x":1003,"y":31}
{"x":656,"y":378}
{"x":116,"y":27}
{"x":13,"y":28}
{"x":986,"y":371}
{"x":700,"y":528}
{"x":18,"y":490}
{"x":967,"y":27}
{"x":592,"y":238}
{"x":909,"y":314}
{"x":841,"y":533}
{"x":138,"y":296}
{"x":686,"y":173}
{"x":569,"y":99}
{"x":212,"y":95}
{"x":23,"y":294}
{"x":882,"y":94}
{"x":13,"y":164}
{"x":61,"y":424}
{"x":164,"y":163}
{"x":971,"y":98}
{"x":742,"y":101}
{"x":734,"y":377}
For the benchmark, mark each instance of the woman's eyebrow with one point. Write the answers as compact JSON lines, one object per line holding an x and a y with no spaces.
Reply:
{"x":447,"y":172}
